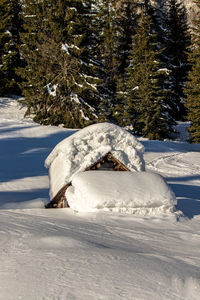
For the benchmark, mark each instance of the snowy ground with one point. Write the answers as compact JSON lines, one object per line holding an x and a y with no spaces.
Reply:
{"x":58,"y":254}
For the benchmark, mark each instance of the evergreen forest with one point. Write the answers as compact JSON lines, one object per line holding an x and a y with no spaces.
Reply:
{"x":75,"y":62}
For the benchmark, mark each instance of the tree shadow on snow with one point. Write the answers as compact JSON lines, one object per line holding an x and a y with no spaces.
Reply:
{"x":169,"y":146}
{"x":24,"y":157}
{"x":34,"y":198}
{"x":189,"y":197}
{"x":16,"y":128}
{"x":184,"y":178}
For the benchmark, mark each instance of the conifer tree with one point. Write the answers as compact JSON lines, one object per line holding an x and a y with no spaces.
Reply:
{"x":33,"y":81}
{"x":145,"y":107}
{"x":158,"y":18}
{"x":107,"y":25}
{"x":10,"y":26}
{"x":192,"y":89}
{"x":126,"y":20}
{"x":108,"y":53}
{"x":178,"y":42}
{"x":61,"y":85}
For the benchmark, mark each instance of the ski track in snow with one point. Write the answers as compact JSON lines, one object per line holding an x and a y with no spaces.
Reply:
{"x":175,"y":163}
{"x":59,"y":254}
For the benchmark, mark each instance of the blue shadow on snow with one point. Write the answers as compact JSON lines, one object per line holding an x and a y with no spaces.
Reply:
{"x":24,"y":157}
{"x":189,"y":196}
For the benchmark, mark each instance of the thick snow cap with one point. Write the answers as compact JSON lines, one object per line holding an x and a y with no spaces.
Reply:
{"x":85,"y":147}
{"x":127,"y":192}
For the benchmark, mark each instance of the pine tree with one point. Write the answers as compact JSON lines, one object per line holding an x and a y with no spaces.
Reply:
{"x":192,"y":89}
{"x":145,"y":107}
{"x":178,"y":42}
{"x":10,"y":26}
{"x":61,"y":85}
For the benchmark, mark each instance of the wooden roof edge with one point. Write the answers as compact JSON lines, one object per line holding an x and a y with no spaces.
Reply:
{"x":120,"y":163}
{"x":113,"y":159}
{"x":57,"y":197}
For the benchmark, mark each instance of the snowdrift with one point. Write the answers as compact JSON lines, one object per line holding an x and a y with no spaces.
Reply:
{"x":129,"y":192}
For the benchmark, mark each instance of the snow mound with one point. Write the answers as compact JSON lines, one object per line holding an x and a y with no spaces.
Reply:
{"x":128,"y":192}
{"x":85,"y":147}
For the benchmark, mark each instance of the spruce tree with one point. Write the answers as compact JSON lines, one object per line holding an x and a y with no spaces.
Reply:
{"x":33,"y":82}
{"x":10,"y":26}
{"x":192,"y":89}
{"x":107,"y":53}
{"x":145,"y":107}
{"x":177,"y":44}
{"x":126,"y":20}
{"x":158,"y":18}
{"x":61,"y":85}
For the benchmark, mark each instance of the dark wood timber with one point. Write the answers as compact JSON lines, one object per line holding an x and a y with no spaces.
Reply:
{"x":106,"y":163}
{"x":59,"y":201}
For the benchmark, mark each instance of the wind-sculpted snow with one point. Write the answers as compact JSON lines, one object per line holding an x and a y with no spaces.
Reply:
{"x":54,"y":254}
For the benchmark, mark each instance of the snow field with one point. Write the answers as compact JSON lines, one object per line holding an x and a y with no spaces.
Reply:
{"x":58,"y":254}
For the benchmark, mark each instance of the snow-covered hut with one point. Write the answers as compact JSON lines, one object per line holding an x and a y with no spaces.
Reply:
{"x":102,"y":146}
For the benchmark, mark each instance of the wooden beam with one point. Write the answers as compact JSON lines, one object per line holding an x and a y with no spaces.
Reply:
{"x":59,"y":198}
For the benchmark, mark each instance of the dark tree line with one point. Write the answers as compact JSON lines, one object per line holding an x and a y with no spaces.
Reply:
{"x":10,"y":28}
{"x":80,"y":62}
{"x":192,"y":88}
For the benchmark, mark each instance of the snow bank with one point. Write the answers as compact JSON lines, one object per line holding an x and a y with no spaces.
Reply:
{"x":85,"y":147}
{"x":129,"y":192}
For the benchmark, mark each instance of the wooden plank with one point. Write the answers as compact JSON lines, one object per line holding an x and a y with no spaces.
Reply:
{"x":57,"y":201}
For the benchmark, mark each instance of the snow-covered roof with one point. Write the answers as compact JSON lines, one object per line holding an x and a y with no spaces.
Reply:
{"x":86,"y":147}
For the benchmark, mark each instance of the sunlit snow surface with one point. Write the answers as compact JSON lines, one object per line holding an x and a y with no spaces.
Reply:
{"x":58,"y":254}
{"x":128,"y":192}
